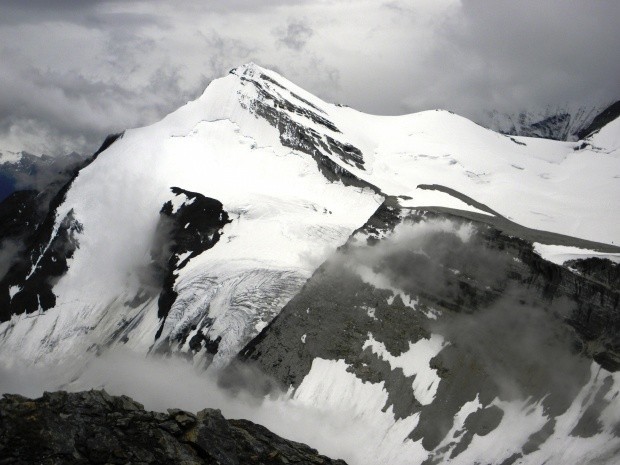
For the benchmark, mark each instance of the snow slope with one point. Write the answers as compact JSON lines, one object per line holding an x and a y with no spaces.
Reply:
{"x":538,"y":183}
{"x":285,"y":218}
{"x":297,"y":176}
{"x":330,"y":387}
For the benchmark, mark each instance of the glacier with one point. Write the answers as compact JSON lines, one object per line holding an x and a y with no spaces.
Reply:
{"x":291,"y":182}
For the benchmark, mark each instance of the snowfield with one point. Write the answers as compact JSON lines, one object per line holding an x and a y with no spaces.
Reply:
{"x":292,"y":199}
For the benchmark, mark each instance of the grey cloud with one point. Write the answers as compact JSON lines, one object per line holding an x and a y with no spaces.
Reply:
{"x":67,"y":104}
{"x":74,"y":71}
{"x":90,"y":13}
{"x":518,"y":55}
{"x":71,"y":105}
{"x":64,"y":106}
{"x":45,"y":5}
{"x":224,"y":53}
{"x":32,"y":12}
{"x":124,"y":21}
{"x":236,"y":6}
{"x":295,"y":35}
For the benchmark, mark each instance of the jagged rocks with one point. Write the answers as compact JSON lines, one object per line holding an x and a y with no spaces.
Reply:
{"x":94,"y":427}
{"x":36,"y":291}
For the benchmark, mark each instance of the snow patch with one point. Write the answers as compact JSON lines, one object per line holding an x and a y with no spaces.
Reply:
{"x":559,"y":254}
{"x":414,"y":362}
{"x":14,"y":290}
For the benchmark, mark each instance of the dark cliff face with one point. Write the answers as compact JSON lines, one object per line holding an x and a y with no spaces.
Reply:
{"x":196,"y":226}
{"x":41,"y":254}
{"x":297,"y":136}
{"x":35,"y":291}
{"x":94,"y":427}
{"x":606,"y":116}
{"x":516,"y":326}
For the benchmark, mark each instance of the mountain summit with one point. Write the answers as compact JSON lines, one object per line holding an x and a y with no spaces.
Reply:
{"x":367,"y":263}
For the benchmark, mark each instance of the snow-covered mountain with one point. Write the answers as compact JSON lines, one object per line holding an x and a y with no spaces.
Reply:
{"x":25,"y":171}
{"x":557,"y":123}
{"x":371,"y":264}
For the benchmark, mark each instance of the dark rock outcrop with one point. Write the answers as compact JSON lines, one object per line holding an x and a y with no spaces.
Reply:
{"x":186,"y":232}
{"x":94,"y":427}
{"x":498,"y":304}
{"x":277,"y":110}
{"x":606,"y":116}
{"x":27,"y":221}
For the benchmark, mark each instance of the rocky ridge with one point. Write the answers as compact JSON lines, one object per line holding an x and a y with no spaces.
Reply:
{"x":95,"y":427}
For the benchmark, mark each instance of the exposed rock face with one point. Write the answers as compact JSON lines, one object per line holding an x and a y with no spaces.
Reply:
{"x":28,"y":218}
{"x":36,"y":291}
{"x":550,"y":123}
{"x":495,"y":303}
{"x":609,"y":114}
{"x":186,"y":232}
{"x":94,"y":427}
{"x":301,"y":137}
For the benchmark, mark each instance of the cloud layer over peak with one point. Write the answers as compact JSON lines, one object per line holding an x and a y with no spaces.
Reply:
{"x":77,"y":70}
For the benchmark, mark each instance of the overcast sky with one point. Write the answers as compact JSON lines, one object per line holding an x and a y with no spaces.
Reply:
{"x":74,"y":70}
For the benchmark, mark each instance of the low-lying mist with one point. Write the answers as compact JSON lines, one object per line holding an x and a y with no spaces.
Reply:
{"x":490,"y":313}
{"x":163,"y":383}
{"x":502,"y":341}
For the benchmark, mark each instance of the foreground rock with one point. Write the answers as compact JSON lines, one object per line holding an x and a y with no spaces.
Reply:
{"x":94,"y":427}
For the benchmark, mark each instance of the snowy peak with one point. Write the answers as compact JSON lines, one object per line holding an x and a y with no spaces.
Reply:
{"x":302,"y":120}
{"x":244,"y":195}
{"x":279,"y":87}
{"x":346,"y":252}
{"x":270,"y":164}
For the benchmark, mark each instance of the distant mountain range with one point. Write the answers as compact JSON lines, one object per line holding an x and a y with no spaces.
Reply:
{"x":554,"y":123}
